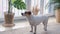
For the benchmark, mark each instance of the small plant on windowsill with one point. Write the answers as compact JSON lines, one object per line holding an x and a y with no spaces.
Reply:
{"x":57,"y":9}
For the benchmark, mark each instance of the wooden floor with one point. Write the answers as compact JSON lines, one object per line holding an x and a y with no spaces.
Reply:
{"x":23,"y":27}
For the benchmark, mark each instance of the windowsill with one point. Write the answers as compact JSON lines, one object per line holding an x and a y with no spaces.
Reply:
{"x":15,"y":18}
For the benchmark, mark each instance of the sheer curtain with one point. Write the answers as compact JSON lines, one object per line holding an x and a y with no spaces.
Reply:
{"x":48,"y":8}
{"x":46,"y":3}
{"x":30,"y":3}
{"x":40,"y":4}
{"x":0,"y":8}
{"x":3,"y":7}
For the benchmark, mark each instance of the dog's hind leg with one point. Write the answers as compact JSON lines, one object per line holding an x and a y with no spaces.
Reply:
{"x":31,"y":28}
{"x":35,"y":27}
{"x":45,"y":25}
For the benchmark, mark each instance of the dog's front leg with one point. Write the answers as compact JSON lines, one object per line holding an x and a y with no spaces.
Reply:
{"x":45,"y":25}
{"x":35,"y":27}
{"x":31,"y":28}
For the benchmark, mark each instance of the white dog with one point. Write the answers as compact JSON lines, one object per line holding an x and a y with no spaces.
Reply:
{"x":36,"y":20}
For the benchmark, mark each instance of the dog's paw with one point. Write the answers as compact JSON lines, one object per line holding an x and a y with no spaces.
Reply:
{"x":31,"y":31}
{"x":45,"y":29}
{"x":34,"y":33}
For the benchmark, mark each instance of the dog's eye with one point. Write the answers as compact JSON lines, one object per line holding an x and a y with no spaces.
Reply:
{"x":25,"y":12}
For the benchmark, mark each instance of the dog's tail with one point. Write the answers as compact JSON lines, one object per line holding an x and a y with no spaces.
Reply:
{"x":49,"y":15}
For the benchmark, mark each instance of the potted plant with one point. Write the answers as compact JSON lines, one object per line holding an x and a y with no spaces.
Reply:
{"x":57,"y":9}
{"x":9,"y":16}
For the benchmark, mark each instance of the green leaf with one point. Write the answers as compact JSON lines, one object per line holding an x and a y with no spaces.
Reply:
{"x":57,"y":4}
{"x":19,"y":4}
{"x":55,"y":1}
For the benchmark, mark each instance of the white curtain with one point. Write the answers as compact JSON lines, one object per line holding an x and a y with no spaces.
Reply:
{"x":29,"y":3}
{"x":0,"y":8}
{"x":3,"y":7}
{"x":48,"y":8}
{"x":45,"y":6}
{"x":40,"y":4}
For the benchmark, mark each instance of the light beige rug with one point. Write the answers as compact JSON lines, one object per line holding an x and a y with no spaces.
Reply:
{"x":24,"y":28}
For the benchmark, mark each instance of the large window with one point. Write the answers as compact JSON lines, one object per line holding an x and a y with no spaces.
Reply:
{"x":42,"y":4}
{"x":48,"y":8}
{"x":46,"y":3}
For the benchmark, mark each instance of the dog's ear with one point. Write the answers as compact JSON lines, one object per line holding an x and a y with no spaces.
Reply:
{"x":29,"y":13}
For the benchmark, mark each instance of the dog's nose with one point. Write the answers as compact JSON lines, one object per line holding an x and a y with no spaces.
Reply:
{"x":21,"y":13}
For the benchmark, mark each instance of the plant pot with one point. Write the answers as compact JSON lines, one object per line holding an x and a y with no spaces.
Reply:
{"x":58,"y":15}
{"x":9,"y":19}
